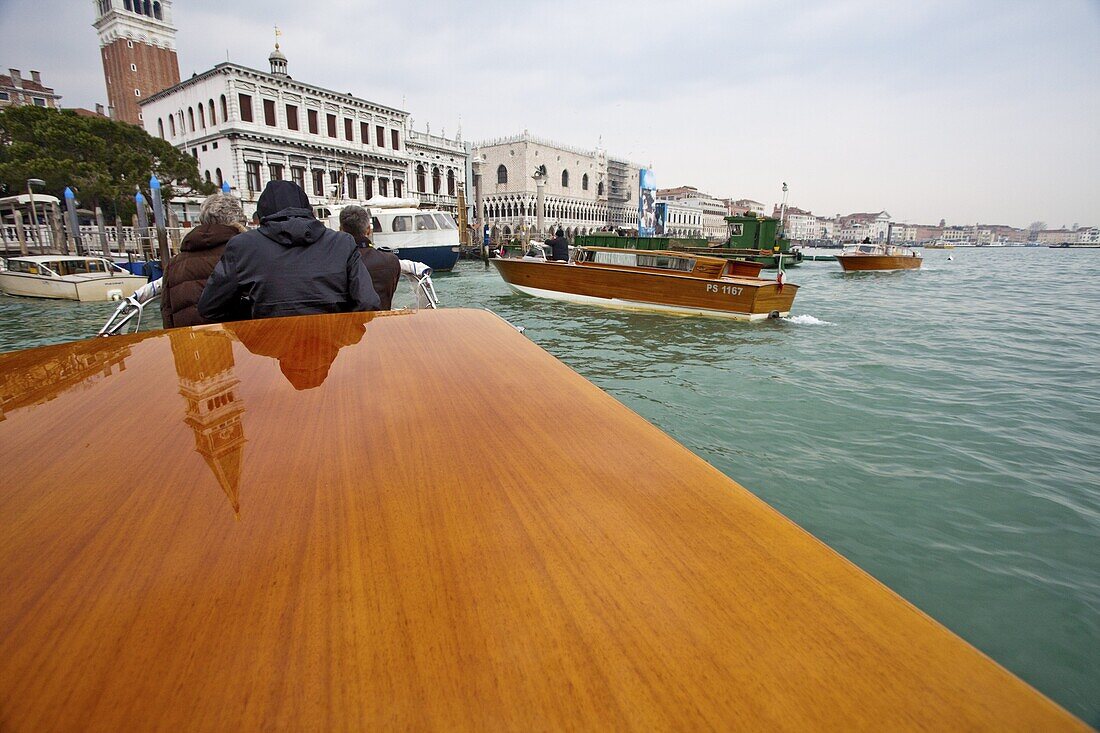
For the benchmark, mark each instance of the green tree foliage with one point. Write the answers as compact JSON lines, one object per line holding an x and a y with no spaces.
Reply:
{"x":105,"y":162}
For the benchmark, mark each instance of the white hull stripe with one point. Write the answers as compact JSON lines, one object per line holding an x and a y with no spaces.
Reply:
{"x":632,"y":305}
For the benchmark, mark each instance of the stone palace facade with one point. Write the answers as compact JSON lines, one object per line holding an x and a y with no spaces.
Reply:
{"x":585,"y":190}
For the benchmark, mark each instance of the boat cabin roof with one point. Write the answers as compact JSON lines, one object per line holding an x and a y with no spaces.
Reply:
{"x":320,"y":542}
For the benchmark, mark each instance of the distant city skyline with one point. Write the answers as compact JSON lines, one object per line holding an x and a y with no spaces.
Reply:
{"x":970,"y":112}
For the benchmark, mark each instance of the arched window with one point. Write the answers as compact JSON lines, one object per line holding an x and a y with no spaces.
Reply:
{"x":421,"y":185}
{"x":451,"y":183}
{"x":207,"y":175}
{"x":218,"y":174}
{"x":502,"y":174}
{"x":565,"y":179}
{"x":599,"y":188}
{"x":148,"y":8}
{"x":172,"y":125}
{"x":584,"y":182}
{"x":213,"y":117}
{"x":225,"y":109}
{"x":156,"y":11}
{"x":160,"y":127}
{"x":191,"y":118}
{"x":126,"y":4}
{"x":202,"y":117}
{"x":436,"y":180}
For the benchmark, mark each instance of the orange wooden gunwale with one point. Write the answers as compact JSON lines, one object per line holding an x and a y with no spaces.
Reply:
{"x":860,"y":263}
{"x":361,"y":521}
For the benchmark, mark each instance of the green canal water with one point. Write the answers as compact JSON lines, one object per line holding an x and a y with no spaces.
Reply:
{"x":940,"y":428}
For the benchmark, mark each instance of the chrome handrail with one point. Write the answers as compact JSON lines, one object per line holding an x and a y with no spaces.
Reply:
{"x":131,"y":307}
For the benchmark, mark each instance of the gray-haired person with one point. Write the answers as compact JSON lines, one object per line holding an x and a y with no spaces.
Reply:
{"x":220,"y":219}
{"x":384,"y":267}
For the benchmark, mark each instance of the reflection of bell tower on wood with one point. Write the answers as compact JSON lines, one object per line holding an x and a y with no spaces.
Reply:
{"x":137,"y":43}
{"x":204,"y":365}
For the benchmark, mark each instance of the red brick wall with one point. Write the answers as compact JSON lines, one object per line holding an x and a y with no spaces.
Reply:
{"x":157,"y":69}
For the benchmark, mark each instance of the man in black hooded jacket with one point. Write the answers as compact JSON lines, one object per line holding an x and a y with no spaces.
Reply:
{"x":292,"y":265}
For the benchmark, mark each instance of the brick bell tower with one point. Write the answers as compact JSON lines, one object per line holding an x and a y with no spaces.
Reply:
{"x":137,"y":43}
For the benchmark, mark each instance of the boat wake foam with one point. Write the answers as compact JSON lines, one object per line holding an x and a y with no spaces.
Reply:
{"x":806,"y":319}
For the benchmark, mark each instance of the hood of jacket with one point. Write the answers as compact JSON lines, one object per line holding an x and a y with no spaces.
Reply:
{"x":286,"y":216}
{"x":292,"y":227}
{"x":208,"y":236}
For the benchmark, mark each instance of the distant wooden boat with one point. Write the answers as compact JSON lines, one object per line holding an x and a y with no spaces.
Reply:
{"x":290,"y":557}
{"x":68,"y":278}
{"x":668,"y":282}
{"x":867,"y":257}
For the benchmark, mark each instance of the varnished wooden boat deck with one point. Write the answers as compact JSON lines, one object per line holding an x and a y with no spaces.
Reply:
{"x":420,"y":521}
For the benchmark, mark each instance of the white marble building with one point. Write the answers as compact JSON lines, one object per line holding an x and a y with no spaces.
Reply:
{"x":437,"y":168}
{"x":585,"y":190}
{"x":249,"y":127}
{"x":682,"y":219}
{"x":801,"y":226}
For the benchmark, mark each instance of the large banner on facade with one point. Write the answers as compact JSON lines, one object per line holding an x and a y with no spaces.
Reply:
{"x":647,"y":203}
{"x":660,"y":227}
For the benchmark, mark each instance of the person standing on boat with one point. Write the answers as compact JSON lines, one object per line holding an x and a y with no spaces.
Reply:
{"x":220,"y":219}
{"x":292,"y":265}
{"x":559,"y":247}
{"x":384,"y":267}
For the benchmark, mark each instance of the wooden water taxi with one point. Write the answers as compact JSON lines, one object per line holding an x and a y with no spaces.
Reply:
{"x":652,"y":280}
{"x":290,"y":560}
{"x":867,"y":257}
{"x":68,"y":277}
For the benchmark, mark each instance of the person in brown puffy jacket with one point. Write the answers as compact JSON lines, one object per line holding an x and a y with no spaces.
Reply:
{"x":220,"y":219}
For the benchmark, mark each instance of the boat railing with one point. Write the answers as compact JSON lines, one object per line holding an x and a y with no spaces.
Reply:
{"x":128,"y":315}
{"x":130,"y":311}
{"x":420,"y":275}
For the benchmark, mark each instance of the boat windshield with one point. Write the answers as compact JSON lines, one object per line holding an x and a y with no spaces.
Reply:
{"x":402,"y":224}
{"x":664,"y":262}
{"x":425,"y":221}
{"x":634,"y":259}
{"x":445,"y":221}
{"x":628,"y":258}
{"x":79,"y":267}
{"x":30,"y":268}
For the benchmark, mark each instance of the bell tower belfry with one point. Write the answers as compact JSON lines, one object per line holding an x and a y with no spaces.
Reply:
{"x":204,"y":366}
{"x":137,"y":44}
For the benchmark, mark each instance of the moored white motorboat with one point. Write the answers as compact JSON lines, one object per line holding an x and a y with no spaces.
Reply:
{"x":429,"y":236}
{"x":68,"y":277}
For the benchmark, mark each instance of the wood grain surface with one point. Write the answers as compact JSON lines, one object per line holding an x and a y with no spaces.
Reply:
{"x":420,"y":521}
{"x":743,"y":294}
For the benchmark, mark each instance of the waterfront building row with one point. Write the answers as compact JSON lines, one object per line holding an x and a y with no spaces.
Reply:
{"x":713,"y":210}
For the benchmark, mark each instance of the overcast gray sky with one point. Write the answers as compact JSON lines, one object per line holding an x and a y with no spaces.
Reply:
{"x":970,"y":110}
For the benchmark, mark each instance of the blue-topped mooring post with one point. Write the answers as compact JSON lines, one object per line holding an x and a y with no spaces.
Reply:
{"x":225,"y":187}
{"x":74,"y":222}
{"x":158,"y":217}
